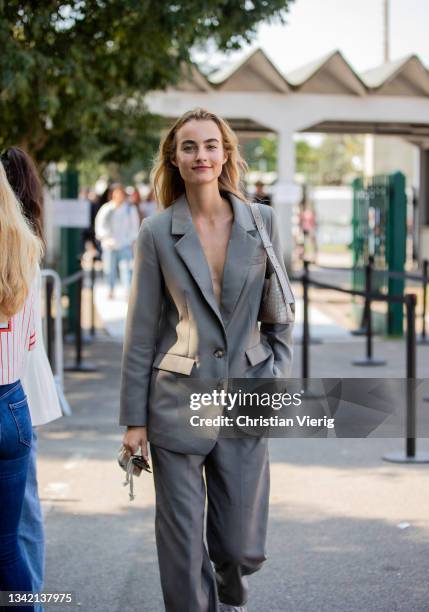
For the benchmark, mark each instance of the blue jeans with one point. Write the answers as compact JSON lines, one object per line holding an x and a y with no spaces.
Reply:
{"x":31,"y":532}
{"x":118,"y":259}
{"x":15,"y":446}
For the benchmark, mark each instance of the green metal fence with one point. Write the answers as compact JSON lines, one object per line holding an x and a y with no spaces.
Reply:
{"x":379,"y":231}
{"x":70,"y":246}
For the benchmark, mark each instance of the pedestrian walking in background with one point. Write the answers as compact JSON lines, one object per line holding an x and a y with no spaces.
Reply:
{"x":20,"y":252}
{"x":135,"y":199}
{"x":38,"y":381}
{"x":308,"y":225}
{"x":116,"y":226}
{"x":193,"y":314}
{"x":261,"y":195}
{"x":149,"y":206}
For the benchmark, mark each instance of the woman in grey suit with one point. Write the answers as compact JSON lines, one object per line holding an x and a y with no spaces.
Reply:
{"x":193,"y":314}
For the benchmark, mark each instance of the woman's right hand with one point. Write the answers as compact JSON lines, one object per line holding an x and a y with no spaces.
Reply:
{"x":135,"y":438}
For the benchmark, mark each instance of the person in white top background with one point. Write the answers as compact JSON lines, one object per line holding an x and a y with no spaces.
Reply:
{"x":20,"y":252}
{"x":38,"y":380}
{"x":117,"y":225}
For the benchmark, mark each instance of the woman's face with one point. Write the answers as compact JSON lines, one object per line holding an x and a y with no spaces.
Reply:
{"x":199,"y":152}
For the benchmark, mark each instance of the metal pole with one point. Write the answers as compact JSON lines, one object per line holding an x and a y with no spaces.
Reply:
{"x":364,"y":321}
{"x":305,"y":323}
{"x":410,"y":455}
{"x":369,"y":360}
{"x":386,"y":51}
{"x":58,"y":349}
{"x":79,"y":365}
{"x":360,"y":331}
{"x":410,"y":302}
{"x":368,"y":284}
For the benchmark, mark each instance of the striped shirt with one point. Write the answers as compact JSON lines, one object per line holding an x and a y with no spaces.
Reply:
{"x":17,"y":337}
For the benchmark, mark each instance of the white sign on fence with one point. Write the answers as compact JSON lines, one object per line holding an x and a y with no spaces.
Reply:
{"x":71,"y":213}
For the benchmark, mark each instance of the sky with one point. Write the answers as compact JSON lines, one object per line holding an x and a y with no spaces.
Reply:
{"x":355,"y":27}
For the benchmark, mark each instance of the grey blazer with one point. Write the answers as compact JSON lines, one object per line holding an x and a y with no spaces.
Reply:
{"x":175,"y":328}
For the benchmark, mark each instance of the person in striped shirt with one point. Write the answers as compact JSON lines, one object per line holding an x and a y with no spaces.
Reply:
{"x":38,"y":382}
{"x":17,"y":336}
{"x":20,"y":252}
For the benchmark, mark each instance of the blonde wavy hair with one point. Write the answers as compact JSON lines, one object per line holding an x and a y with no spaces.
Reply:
{"x":20,"y":251}
{"x":165,"y":176}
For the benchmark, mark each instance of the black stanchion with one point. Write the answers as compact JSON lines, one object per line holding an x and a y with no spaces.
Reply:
{"x":305,"y":357}
{"x":362,"y":330}
{"x":369,"y":360}
{"x":410,"y":455}
{"x":423,"y":338}
{"x":88,"y":338}
{"x":311,"y":340}
{"x":305,"y":324}
{"x":79,"y":365}
{"x":410,"y":301}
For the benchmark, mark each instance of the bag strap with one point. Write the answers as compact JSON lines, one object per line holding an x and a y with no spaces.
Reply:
{"x":283,"y":278}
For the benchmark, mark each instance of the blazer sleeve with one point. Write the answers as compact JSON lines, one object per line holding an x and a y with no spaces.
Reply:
{"x":279,"y":335}
{"x":141,"y":331}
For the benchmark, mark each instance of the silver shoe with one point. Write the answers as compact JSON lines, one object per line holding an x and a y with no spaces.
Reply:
{"x":227,"y":608}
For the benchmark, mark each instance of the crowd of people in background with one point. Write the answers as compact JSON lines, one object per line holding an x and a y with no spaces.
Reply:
{"x":117,"y":225}
{"x":115,"y":218}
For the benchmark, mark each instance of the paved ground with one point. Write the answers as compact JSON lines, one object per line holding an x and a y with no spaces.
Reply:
{"x":348,"y":531}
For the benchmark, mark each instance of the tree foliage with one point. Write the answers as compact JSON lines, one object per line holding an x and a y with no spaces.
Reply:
{"x":335,"y":161}
{"x":337,"y":156}
{"x":73,"y":74}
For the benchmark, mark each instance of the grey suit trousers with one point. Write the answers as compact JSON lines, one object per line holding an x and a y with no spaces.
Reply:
{"x":235,"y":476}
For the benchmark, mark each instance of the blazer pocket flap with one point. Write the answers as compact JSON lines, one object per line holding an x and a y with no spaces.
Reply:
{"x":173,"y":363}
{"x":258,"y":353}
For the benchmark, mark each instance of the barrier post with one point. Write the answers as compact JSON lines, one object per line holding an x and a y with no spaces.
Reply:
{"x":410,"y":302}
{"x":423,"y":339}
{"x":369,"y":360}
{"x":79,"y":365}
{"x":306,"y":266}
{"x":362,"y":330}
{"x":55,"y":345}
{"x":410,"y":455}
{"x":306,"y":391}
{"x":305,"y":326}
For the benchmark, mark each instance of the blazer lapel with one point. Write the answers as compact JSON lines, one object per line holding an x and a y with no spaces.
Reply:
{"x":239,"y":253}
{"x":241,"y":248}
{"x":191,"y":252}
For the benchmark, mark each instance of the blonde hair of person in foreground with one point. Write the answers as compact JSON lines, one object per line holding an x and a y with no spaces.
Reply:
{"x":20,"y":251}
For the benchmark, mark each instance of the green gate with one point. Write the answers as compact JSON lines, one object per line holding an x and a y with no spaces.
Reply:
{"x":70,"y":247}
{"x":379,"y":230}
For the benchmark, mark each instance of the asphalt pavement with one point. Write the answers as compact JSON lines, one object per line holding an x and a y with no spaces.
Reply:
{"x":348,"y":531}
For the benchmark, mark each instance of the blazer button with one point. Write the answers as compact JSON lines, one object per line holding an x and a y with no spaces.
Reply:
{"x":219,"y":353}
